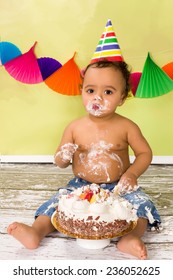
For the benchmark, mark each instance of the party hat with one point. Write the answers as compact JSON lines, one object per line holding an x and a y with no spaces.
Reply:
{"x":108,"y":47}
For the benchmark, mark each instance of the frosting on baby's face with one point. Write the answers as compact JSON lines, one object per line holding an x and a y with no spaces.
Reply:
{"x":102,"y":91}
{"x":95,"y":108}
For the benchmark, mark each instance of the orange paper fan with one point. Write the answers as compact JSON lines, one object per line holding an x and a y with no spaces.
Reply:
{"x":168,"y":69}
{"x":66,"y":80}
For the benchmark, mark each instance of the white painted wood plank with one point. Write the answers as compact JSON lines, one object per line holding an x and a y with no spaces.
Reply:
{"x":41,"y":181}
{"x":159,"y":170}
{"x":68,"y":249}
{"x":33,"y":176}
{"x":34,"y":168}
{"x":10,"y":216}
{"x":34,"y":182}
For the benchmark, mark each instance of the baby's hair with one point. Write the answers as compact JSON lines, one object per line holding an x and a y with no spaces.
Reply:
{"x":122,"y":66}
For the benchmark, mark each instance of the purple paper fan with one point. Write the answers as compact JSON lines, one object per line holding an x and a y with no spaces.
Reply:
{"x":48,"y":66}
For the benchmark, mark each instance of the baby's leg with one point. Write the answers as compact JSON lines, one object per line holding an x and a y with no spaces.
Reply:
{"x":132,"y":243}
{"x":30,"y":236}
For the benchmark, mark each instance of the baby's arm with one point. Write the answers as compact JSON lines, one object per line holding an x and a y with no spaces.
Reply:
{"x":143,"y":157}
{"x":66,"y":149}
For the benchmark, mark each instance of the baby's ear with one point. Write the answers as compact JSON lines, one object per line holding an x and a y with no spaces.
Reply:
{"x":123,"y":99}
{"x":80,"y":88}
{"x":82,"y":72}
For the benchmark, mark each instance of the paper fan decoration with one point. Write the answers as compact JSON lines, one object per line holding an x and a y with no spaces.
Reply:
{"x":48,"y":66}
{"x":154,"y":81}
{"x":130,"y":95}
{"x":25,"y":68}
{"x":8,"y":51}
{"x":108,"y":47}
{"x":168,"y":69}
{"x":134,"y":81}
{"x":66,"y":80}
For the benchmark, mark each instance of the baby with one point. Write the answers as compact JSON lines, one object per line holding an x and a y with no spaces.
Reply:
{"x":97,"y":146}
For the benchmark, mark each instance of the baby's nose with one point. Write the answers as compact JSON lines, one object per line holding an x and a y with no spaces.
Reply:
{"x":97,"y":97}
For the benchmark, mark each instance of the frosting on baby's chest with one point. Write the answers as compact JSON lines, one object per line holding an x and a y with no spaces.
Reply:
{"x":98,"y":151}
{"x":98,"y":159}
{"x":101,"y":147}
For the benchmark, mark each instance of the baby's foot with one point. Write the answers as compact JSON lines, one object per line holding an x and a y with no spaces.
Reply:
{"x":133,"y":245}
{"x":27,"y":235}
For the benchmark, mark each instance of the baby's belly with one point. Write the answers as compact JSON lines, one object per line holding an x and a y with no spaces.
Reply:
{"x":99,"y":170}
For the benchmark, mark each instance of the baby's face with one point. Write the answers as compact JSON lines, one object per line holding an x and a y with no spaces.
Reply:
{"x":102,"y":90}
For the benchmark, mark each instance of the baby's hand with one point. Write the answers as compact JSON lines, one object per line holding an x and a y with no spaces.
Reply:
{"x":127,"y":184}
{"x":67,"y":151}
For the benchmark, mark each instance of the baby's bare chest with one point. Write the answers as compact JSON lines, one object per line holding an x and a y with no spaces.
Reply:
{"x":102,"y":140}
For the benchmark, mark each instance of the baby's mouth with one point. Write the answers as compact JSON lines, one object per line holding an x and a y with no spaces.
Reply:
{"x":96,"y":107}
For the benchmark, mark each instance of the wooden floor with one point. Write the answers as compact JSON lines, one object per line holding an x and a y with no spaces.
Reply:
{"x":23,"y":187}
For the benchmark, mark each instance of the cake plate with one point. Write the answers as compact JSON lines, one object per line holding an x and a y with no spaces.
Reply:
{"x":91,"y":242}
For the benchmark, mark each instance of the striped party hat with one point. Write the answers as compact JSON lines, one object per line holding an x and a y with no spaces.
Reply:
{"x":108,"y":47}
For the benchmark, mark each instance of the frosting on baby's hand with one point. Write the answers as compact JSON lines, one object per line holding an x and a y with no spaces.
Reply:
{"x":121,"y":189}
{"x":126,"y":184}
{"x":66,"y":152}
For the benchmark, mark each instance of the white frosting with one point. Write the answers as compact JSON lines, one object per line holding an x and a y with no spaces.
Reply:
{"x":66,"y":152}
{"x":108,"y":209}
{"x":95,"y":108}
{"x":100,"y":151}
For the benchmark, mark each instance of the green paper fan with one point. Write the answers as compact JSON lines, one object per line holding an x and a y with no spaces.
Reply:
{"x":154,"y":81}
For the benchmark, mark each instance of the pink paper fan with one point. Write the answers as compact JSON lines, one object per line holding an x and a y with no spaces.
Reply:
{"x":25,"y":68}
{"x":134,"y":81}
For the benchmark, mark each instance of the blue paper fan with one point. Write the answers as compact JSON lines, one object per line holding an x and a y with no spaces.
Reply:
{"x":8,"y":51}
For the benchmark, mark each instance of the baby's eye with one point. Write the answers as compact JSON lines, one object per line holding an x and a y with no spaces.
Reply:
{"x":90,"y":90}
{"x":108,"y":92}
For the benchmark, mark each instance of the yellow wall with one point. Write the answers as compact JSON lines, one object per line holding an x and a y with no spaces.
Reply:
{"x":33,"y":117}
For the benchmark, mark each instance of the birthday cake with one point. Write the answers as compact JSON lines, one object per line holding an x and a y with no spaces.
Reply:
{"x":91,"y":212}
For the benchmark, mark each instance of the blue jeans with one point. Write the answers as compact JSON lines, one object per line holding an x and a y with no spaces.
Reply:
{"x":140,"y":201}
